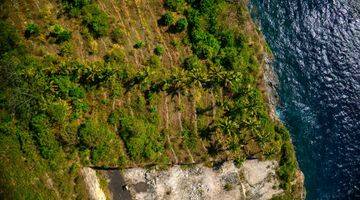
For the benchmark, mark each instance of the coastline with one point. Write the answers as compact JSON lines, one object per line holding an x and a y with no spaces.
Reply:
{"x":271,"y":83}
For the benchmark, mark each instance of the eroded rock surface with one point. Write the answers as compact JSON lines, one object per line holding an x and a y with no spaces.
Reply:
{"x":254,"y":180}
{"x":92,"y":184}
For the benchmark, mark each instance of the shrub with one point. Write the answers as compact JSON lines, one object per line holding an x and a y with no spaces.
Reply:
{"x":159,"y":50}
{"x":229,"y":58}
{"x":166,"y":20}
{"x":32,"y":30}
{"x":180,"y":26}
{"x":115,"y":55}
{"x":48,"y":146}
{"x":58,"y":112}
{"x":227,"y":39}
{"x":139,"y":44}
{"x":288,"y":165}
{"x":174,"y":5}
{"x":154,"y":61}
{"x":90,"y":134}
{"x":96,"y":20}
{"x":141,"y":138}
{"x":8,"y":37}
{"x":117,"y":35}
{"x":77,"y":93}
{"x":67,"y":49}
{"x":192,"y":62}
{"x":60,"y":33}
{"x":73,"y":7}
{"x":175,"y":43}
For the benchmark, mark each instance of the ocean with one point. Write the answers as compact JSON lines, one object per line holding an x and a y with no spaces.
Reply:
{"x":316,"y":46}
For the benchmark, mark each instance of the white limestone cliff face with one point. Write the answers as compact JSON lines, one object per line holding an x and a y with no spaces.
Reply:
{"x":254,"y":180}
{"x":92,"y":183}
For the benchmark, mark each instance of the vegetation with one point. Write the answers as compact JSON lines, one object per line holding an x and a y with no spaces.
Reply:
{"x":32,"y":30}
{"x":91,"y":99}
{"x":96,"y":20}
{"x":60,"y":33}
{"x":167,"y":19}
{"x":179,"y":26}
{"x":159,"y":50}
{"x":139,"y":44}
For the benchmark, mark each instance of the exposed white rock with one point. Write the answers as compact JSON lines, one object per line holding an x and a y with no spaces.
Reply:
{"x":92,"y":184}
{"x":254,"y":180}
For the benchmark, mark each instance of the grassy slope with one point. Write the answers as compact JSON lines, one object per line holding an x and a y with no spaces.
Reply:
{"x":175,"y":125}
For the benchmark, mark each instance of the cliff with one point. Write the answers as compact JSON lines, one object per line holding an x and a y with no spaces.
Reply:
{"x":254,"y":180}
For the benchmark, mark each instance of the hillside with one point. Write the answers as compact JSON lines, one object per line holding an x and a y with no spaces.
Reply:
{"x":121,"y":84}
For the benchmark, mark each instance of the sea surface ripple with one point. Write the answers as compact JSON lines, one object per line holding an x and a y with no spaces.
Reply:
{"x":316,"y":45}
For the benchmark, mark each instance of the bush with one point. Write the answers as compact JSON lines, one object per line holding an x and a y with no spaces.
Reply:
{"x":159,"y":50}
{"x":117,"y":35}
{"x":287,"y":164}
{"x":60,"y":33}
{"x":174,"y":5}
{"x":192,"y":63}
{"x":90,"y":134}
{"x":180,"y":26}
{"x":58,"y":112}
{"x":8,"y":37}
{"x":227,"y":39}
{"x":48,"y":146}
{"x":32,"y":30}
{"x":139,"y":44}
{"x":115,"y":55}
{"x":73,"y":7}
{"x":141,"y":138}
{"x":77,"y":93}
{"x":96,"y":20}
{"x":67,"y":49}
{"x":166,"y":20}
{"x":154,"y":62}
{"x":229,"y":58}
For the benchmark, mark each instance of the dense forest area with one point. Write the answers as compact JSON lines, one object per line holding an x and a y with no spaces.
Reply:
{"x":129,"y":83}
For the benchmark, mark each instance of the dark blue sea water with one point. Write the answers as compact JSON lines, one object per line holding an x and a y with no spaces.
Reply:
{"x":316,"y":44}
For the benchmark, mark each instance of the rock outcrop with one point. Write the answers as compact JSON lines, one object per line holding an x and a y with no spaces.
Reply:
{"x":254,"y":180}
{"x":92,"y":184}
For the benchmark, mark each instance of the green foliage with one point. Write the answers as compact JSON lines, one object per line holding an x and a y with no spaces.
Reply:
{"x":166,"y":19}
{"x":58,"y":112}
{"x":73,"y":7}
{"x":96,"y":20}
{"x":117,"y":35}
{"x":115,"y":55}
{"x":288,"y":165}
{"x":9,"y":39}
{"x":91,"y":134}
{"x":59,"y":33}
{"x":139,"y":44}
{"x":192,"y":63}
{"x":189,"y":139}
{"x":154,"y":62}
{"x":104,"y":145}
{"x":67,"y":49}
{"x":32,"y":29}
{"x":48,"y":146}
{"x":174,"y":5}
{"x":141,"y":137}
{"x":159,"y":50}
{"x":179,"y":26}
